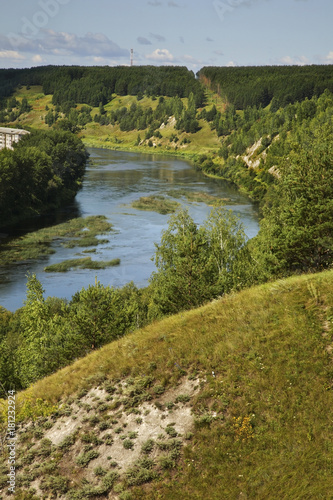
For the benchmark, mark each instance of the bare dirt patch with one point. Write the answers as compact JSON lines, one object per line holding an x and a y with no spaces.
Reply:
{"x":112,"y":429}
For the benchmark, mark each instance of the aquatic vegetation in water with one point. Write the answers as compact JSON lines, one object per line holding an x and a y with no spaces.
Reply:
{"x":80,"y":232}
{"x":84,"y":263}
{"x":156,"y":203}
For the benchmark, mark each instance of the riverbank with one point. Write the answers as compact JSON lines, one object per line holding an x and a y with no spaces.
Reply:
{"x":113,"y":180}
{"x":201,"y":148}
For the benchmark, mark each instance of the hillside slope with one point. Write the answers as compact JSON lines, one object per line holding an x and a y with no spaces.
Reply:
{"x":111,"y":136}
{"x":232,"y":400}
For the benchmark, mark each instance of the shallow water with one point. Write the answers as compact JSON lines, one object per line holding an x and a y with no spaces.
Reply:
{"x":112,"y":181}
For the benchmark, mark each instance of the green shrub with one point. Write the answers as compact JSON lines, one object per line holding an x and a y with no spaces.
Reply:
{"x":166,"y":462}
{"x":67,"y":442}
{"x":159,"y":389}
{"x":128,"y":444}
{"x":103,"y":426}
{"x":171,"y":431}
{"x":90,"y":437}
{"x":55,"y":484}
{"x":109,"y":387}
{"x":99,"y":471}
{"x":108,"y":439}
{"x":141,"y":473}
{"x":148,"y":446}
{"x":84,"y":459}
{"x":183,"y":398}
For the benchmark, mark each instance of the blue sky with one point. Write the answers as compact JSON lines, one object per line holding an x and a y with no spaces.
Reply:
{"x":194,"y":33}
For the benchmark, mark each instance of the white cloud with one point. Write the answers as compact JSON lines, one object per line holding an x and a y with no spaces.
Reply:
{"x":327,"y":59}
{"x":91,"y":44}
{"x":296,"y":60}
{"x":62,"y":43}
{"x":286,"y":60}
{"x":37,"y":59}
{"x":231,"y":64}
{"x":192,"y":60}
{"x":99,"y":60}
{"x":14,"y":42}
{"x":10,"y":54}
{"x":160,"y":55}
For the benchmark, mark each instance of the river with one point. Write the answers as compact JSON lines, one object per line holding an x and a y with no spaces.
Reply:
{"x":112,"y":181}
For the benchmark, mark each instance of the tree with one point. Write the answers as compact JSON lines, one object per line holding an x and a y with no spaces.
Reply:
{"x":25,"y":107}
{"x":195,"y":265}
{"x":229,"y":261}
{"x":296,"y":234}
{"x":178,"y":258}
{"x":47,"y":341}
{"x":34,"y":333}
{"x":101,"y":314}
{"x":101,"y":109}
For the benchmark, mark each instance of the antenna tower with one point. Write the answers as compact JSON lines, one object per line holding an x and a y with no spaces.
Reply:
{"x":132,"y":56}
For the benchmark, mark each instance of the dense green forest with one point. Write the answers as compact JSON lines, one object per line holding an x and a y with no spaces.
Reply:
{"x":44,"y":170}
{"x":92,"y":85}
{"x":256,"y":142}
{"x":259,"y":85}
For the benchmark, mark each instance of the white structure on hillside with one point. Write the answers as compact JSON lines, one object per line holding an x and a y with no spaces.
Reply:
{"x":10,"y":135}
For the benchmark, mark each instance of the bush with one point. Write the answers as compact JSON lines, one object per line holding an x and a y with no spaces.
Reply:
{"x":128,"y":444}
{"x":56,"y":484}
{"x":84,"y":459}
{"x":148,"y":446}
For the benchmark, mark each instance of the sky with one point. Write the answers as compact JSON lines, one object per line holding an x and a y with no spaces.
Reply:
{"x":192,"y":33}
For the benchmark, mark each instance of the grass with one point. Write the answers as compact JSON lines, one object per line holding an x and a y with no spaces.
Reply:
{"x":84,"y":263}
{"x":111,"y":137}
{"x":263,"y":422}
{"x":197,"y":197}
{"x":85,"y":241}
{"x":156,"y":204}
{"x":80,"y":232}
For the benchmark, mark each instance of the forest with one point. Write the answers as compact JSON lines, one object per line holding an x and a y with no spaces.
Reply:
{"x":43,"y":171}
{"x":272,"y":134}
{"x":92,"y":85}
{"x":261,"y":85}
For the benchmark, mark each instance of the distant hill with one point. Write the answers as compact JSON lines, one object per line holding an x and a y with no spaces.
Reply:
{"x":92,"y":85}
{"x":231,"y":400}
{"x":258,"y":85}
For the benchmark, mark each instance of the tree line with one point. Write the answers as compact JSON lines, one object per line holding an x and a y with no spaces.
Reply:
{"x":44,"y":170}
{"x":92,"y":85}
{"x":276,"y":133}
{"x":259,"y":85}
{"x":193,"y":265}
{"x":291,"y":176}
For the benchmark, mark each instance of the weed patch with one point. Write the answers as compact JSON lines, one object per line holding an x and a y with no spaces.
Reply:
{"x":158,"y":204}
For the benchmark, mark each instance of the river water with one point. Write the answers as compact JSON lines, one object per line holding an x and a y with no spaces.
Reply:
{"x":112,"y":181}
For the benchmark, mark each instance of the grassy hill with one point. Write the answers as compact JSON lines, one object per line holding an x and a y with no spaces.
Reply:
{"x":111,"y":137}
{"x":229,"y":401}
